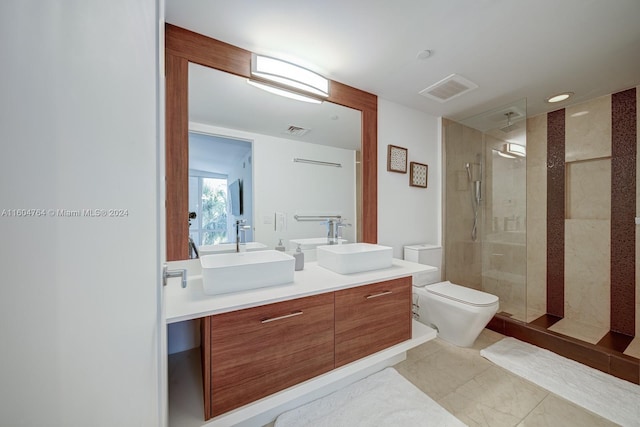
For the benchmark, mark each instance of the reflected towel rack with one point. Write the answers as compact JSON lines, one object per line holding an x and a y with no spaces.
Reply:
{"x":316,"y":217}
{"x":317,"y":162}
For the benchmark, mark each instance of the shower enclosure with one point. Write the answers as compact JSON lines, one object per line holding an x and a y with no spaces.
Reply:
{"x":485,"y":205}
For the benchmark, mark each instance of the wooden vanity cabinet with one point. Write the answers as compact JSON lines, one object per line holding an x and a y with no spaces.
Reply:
{"x":249,"y":354}
{"x":371,"y":318}
{"x":252,"y":353}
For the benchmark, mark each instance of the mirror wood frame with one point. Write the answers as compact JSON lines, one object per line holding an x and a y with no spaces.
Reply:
{"x":183,"y":46}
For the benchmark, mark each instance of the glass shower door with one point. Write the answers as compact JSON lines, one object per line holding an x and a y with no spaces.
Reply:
{"x":485,"y":205}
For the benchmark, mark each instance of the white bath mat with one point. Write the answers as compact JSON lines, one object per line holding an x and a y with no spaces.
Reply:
{"x":610,"y":397}
{"x":383,"y":399}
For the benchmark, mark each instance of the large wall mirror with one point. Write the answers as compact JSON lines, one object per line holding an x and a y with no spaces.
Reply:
{"x":295,"y":163}
{"x":209,"y":138}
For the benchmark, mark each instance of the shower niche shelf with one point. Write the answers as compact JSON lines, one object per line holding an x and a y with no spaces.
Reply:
{"x":588,"y":189}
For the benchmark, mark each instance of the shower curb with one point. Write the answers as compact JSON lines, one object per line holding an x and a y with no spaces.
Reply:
{"x":604,"y":359}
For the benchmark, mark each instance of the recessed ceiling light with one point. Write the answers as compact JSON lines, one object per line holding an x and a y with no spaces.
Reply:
{"x":560,"y":97}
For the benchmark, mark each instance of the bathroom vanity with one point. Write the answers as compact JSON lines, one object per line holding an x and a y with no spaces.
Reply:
{"x":323,"y":328}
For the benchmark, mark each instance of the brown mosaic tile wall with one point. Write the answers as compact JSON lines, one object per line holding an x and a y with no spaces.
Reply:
{"x":623,"y":210}
{"x":555,"y":212}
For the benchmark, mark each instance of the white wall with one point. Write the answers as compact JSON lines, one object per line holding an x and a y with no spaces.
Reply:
{"x":280,"y":185}
{"x":301,"y":189}
{"x":408,"y":215}
{"x":79,"y":295}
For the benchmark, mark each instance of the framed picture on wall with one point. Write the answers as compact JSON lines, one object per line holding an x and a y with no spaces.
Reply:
{"x":418,"y":175}
{"x":396,"y":159}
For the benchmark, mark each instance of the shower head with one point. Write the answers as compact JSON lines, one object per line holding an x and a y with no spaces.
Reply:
{"x":509,"y":127}
{"x":468,"y":167}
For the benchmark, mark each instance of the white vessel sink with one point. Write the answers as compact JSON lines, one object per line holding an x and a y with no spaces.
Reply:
{"x":224,"y":248}
{"x":354,"y":257}
{"x":309,"y":246}
{"x":225,"y":273}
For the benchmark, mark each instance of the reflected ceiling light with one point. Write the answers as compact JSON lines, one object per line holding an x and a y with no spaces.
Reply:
{"x":511,"y":151}
{"x":506,"y":156}
{"x":580,"y":113}
{"x":559,"y":97}
{"x":284,"y":92}
{"x":288,"y":77}
{"x":516,"y":150}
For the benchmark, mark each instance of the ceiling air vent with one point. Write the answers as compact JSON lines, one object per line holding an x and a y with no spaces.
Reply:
{"x":296,"y":131}
{"x":448,"y":88}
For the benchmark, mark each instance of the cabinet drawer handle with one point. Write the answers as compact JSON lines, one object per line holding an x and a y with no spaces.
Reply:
{"x":286,"y":316}
{"x":381,"y":294}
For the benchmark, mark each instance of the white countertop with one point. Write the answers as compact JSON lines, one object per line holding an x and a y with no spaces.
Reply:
{"x":192,"y":303}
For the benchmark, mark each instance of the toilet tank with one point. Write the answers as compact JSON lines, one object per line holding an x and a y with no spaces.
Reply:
{"x":425,"y":254}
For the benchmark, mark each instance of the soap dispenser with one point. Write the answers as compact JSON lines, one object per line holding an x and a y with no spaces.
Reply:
{"x":280,"y":247}
{"x":299,"y":257}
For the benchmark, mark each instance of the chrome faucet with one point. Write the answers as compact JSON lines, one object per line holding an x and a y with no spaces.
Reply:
{"x":331,"y":230}
{"x":334,"y":230}
{"x":241,"y":229}
{"x":167,"y":274}
{"x":339,"y":227}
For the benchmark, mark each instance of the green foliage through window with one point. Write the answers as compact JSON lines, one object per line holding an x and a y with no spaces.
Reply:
{"x":214,"y":211}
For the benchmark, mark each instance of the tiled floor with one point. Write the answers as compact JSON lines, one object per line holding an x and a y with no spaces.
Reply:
{"x":482,"y":394}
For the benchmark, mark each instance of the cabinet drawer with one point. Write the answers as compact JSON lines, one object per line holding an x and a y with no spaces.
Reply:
{"x":259,"y":351}
{"x":371,"y":318}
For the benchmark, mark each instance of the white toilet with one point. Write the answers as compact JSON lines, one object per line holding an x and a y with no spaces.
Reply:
{"x":458,"y":313}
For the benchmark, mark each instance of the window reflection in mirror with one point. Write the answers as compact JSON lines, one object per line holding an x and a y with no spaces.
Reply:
{"x":220,"y":187}
{"x":208,"y":201}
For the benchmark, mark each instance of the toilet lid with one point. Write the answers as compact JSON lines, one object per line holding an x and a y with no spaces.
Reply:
{"x":462,"y":294}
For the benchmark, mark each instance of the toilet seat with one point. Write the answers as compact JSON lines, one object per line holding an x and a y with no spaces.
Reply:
{"x":462,"y":294}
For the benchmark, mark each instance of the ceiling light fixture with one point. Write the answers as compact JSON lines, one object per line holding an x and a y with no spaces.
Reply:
{"x":560,"y":97}
{"x":285,"y":78}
